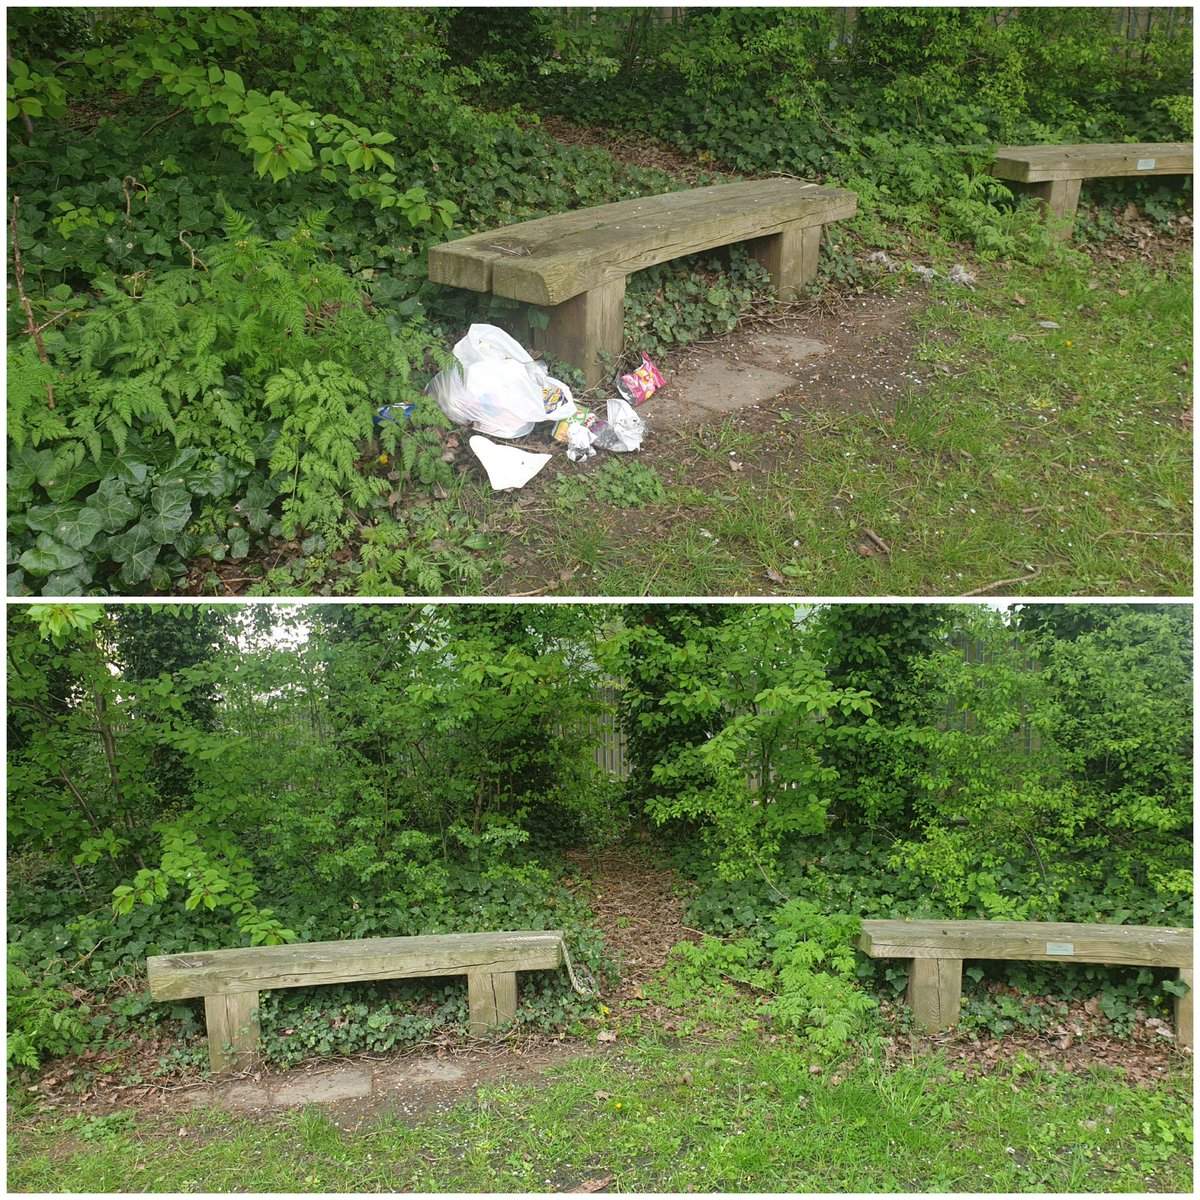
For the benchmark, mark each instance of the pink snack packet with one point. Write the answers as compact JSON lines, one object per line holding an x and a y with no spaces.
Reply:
{"x":639,"y":385}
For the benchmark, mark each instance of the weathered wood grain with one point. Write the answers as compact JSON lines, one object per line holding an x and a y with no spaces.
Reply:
{"x":581,"y":328}
{"x":1184,"y":1012}
{"x":548,"y":260}
{"x":790,"y":257}
{"x":935,"y":992}
{"x":491,"y":1000}
{"x":233,"y":1030}
{"x":1037,"y":164}
{"x":1034,"y":941}
{"x":249,"y":969}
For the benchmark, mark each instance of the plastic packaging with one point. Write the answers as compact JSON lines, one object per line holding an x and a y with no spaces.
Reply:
{"x":639,"y":385}
{"x":624,"y":429}
{"x":497,"y":386}
{"x":508,"y":467}
{"x":388,"y":413}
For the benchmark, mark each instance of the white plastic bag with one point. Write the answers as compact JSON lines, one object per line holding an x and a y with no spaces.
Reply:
{"x":497,"y":385}
{"x":625,"y":429}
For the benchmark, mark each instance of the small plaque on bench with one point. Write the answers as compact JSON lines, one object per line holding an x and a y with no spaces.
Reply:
{"x":1063,"y":948}
{"x":1145,"y":164}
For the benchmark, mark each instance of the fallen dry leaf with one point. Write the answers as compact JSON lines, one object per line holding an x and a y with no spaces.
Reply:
{"x":593,"y":1185}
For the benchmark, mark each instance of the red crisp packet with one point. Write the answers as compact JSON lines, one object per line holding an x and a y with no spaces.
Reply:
{"x":638,"y":386}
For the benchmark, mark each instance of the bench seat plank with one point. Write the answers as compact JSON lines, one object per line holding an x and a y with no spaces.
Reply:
{"x":254,"y":968}
{"x":551,"y":259}
{"x":1032,"y":941}
{"x":1038,"y":164}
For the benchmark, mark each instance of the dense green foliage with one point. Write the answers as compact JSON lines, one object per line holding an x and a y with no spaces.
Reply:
{"x":222,"y":214}
{"x":193,"y":777}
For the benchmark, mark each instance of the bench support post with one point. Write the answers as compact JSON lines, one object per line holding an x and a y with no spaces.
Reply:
{"x":584,"y":325}
{"x":1061,"y":197}
{"x":935,"y":993}
{"x":491,"y":1000}
{"x":790,"y":257}
{"x":1183,"y":1012}
{"x":233,"y":1031}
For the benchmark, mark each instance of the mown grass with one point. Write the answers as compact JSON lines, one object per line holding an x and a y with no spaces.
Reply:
{"x":745,"y":1116}
{"x":1018,"y":451}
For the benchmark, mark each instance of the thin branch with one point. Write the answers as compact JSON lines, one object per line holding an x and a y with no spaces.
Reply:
{"x":991,"y":587}
{"x":195,"y":257}
{"x":31,"y":326}
{"x":161,"y":121}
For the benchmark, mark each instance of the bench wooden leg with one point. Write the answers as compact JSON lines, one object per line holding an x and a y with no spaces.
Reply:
{"x":1061,"y":197}
{"x":790,"y":257}
{"x":233,"y":1032}
{"x":1183,"y":1012}
{"x":491,"y":999}
{"x":583,"y":326}
{"x":935,"y":993}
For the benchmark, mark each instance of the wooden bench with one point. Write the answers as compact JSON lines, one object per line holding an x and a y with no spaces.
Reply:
{"x":230,"y":980}
{"x":575,"y":263}
{"x":1054,"y":173}
{"x":937,"y":950}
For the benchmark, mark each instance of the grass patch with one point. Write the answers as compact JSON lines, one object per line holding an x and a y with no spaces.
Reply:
{"x":747,"y":1116}
{"x":1016,"y":449}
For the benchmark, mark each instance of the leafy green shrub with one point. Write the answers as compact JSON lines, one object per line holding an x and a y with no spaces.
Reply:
{"x":43,"y":1022}
{"x":693,"y":968}
{"x":814,"y":955}
{"x":186,"y":407}
{"x":801,"y":962}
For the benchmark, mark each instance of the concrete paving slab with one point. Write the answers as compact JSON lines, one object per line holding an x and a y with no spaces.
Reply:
{"x":347,"y":1083}
{"x":248,"y":1097}
{"x":421,"y":1070}
{"x":701,"y":387}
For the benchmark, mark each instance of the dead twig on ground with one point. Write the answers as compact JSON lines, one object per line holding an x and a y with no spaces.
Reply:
{"x":991,"y":587}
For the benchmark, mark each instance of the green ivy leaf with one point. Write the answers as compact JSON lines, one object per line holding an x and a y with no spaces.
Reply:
{"x":239,"y":542}
{"x":170,"y":511}
{"x":68,"y":583}
{"x":47,"y":556}
{"x":137,"y":549}
{"x":27,"y":467}
{"x":78,"y":528}
{"x":70,"y":481}
{"x":255,"y":506}
{"x":113,"y":505}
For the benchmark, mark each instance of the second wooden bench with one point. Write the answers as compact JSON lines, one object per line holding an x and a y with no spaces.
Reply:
{"x":937,"y":950}
{"x":1054,"y":173}
{"x":230,"y":980}
{"x":575,"y":264}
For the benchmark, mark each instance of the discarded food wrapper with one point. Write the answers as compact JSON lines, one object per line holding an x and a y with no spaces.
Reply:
{"x":639,"y":385}
{"x":580,"y":417}
{"x":496,"y":385}
{"x":507,"y":466}
{"x":579,"y":442}
{"x":393,"y":412}
{"x":624,"y":430}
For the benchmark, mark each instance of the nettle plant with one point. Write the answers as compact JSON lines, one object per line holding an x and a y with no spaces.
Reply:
{"x":167,"y":420}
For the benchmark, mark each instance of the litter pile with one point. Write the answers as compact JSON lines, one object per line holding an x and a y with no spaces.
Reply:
{"x":499,"y":388}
